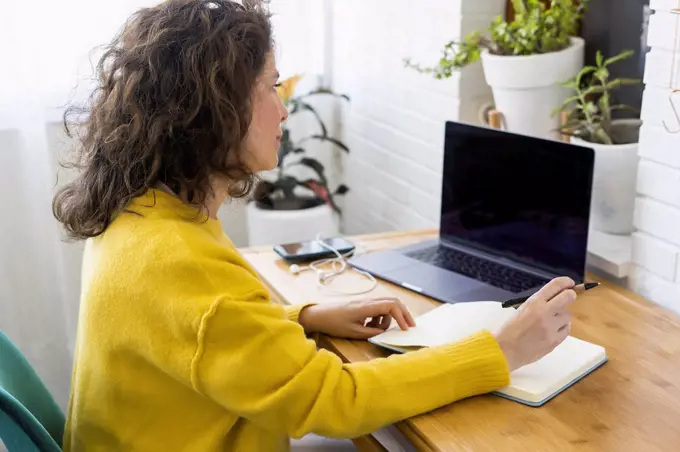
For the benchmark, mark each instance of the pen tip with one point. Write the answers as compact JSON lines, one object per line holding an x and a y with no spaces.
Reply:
{"x":591,"y":285}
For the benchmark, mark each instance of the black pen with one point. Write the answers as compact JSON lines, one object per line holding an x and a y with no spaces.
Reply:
{"x":515,"y":302}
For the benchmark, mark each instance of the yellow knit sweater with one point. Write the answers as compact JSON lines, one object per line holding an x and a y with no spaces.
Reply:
{"x":180,"y":349}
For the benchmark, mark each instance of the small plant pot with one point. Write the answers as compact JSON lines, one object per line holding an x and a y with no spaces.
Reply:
{"x":614,"y":183}
{"x":525,"y":88}
{"x":272,"y":227}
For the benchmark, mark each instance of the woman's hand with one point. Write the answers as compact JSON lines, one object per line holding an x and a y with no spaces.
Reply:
{"x":355,"y":319}
{"x":541,"y":325}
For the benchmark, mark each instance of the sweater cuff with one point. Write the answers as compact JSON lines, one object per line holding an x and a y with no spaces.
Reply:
{"x":485,"y":364}
{"x":293,"y":311}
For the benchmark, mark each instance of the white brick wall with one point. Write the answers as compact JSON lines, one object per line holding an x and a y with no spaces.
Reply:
{"x":656,"y":244}
{"x":655,"y":255}
{"x":395,"y":123}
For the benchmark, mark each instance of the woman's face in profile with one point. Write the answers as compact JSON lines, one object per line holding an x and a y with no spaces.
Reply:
{"x":264,"y":135}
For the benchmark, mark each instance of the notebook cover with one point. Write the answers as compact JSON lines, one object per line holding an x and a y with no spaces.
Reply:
{"x":505,"y":396}
{"x":554,"y":394}
{"x":388,"y":347}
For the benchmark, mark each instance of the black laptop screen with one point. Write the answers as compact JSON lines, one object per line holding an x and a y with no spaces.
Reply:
{"x":523,"y":198}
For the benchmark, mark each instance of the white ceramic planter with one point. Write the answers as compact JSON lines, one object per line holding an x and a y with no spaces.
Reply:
{"x":272,"y":227}
{"x":526,"y":91}
{"x":614,"y":186}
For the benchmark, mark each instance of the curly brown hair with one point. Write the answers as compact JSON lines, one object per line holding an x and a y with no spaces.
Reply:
{"x":173,"y":106}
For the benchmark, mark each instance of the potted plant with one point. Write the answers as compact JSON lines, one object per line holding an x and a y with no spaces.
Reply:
{"x":589,"y":122}
{"x":523,"y":60}
{"x":294,"y":202}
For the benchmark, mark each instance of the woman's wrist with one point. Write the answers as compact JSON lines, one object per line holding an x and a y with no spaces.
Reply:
{"x":509,"y":351}
{"x":308,"y":319}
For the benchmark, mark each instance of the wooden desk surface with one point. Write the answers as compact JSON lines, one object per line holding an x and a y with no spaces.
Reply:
{"x":632,"y":403}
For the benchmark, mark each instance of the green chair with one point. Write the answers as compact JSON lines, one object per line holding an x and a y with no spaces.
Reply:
{"x":30,"y":420}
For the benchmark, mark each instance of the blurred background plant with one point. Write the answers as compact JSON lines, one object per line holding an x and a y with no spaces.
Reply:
{"x":535,"y":29}
{"x":589,"y":110}
{"x":285,"y":191}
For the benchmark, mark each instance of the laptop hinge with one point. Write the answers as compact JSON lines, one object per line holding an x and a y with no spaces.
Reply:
{"x":502,"y":260}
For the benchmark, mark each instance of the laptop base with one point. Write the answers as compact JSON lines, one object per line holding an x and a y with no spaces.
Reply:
{"x":442,"y":285}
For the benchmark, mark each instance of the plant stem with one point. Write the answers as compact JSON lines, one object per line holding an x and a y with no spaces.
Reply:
{"x":489,"y":45}
{"x":582,"y":99}
{"x":520,"y":6}
{"x":606,"y":113}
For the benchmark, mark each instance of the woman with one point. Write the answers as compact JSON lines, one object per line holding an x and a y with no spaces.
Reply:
{"x":179,"y":346}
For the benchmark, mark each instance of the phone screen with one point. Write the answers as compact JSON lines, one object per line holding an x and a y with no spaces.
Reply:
{"x":314,"y":247}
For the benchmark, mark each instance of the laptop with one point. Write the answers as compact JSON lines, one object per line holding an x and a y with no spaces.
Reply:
{"x":515,"y":213}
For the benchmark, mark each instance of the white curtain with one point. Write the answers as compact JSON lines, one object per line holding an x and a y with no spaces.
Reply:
{"x":46,"y":51}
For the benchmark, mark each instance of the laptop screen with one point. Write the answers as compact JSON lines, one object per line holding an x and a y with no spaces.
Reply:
{"x":518,"y":197}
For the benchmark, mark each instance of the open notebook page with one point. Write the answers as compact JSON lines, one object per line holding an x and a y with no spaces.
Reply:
{"x":569,"y":361}
{"x":449,"y":323}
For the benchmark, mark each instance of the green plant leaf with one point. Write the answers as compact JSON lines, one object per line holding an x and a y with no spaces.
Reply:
{"x":286,"y":146}
{"x":575,"y":133}
{"x":594,"y":90}
{"x":629,"y":81}
{"x":569,"y":84}
{"x":335,"y":141}
{"x":575,"y":82}
{"x":572,"y":125}
{"x":621,"y":56}
{"x":287,"y":185}
{"x":341,"y":190}
{"x":575,"y":113}
{"x":306,"y":107}
{"x":617,"y":83}
{"x":566,"y":105}
{"x":316,"y":166}
{"x":324,"y":91}
{"x":602,"y":73}
{"x":623,"y":107}
{"x":590,"y":108}
{"x":520,"y":6}
{"x":292,"y":106}
{"x":321,"y":190}
{"x":587,"y":70}
{"x":599,"y":58}
{"x":602,"y":136}
{"x":263,"y":189}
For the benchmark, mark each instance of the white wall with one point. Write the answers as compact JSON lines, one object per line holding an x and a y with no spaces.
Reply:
{"x":656,"y":244}
{"x":395,"y":123}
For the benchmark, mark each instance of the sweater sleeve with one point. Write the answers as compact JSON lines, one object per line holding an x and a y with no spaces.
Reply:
{"x":259,"y":365}
{"x":293,"y":311}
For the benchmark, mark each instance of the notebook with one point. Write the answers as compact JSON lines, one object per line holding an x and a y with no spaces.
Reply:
{"x":534,"y":384}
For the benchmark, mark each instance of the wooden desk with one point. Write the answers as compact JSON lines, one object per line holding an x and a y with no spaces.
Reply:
{"x":631,"y":404}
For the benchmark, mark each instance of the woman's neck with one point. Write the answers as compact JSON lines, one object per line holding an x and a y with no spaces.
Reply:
{"x":213,"y":201}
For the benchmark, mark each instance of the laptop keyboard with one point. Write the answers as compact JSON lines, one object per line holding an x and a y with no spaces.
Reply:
{"x":480,"y":269}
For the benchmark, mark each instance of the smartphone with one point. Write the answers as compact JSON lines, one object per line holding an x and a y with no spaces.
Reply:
{"x":312,"y":250}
